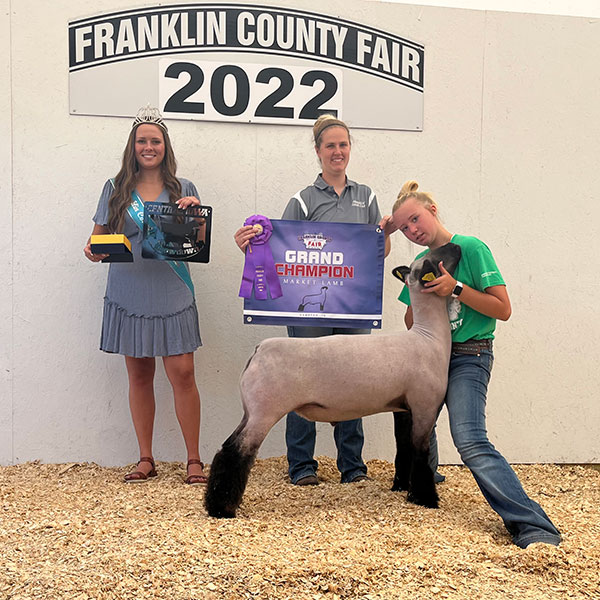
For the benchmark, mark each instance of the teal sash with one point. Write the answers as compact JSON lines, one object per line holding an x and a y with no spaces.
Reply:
{"x":136,"y":212}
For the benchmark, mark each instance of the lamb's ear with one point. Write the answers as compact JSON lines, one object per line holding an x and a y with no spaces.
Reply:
{"x":401,"y":273}
{"x":428,"y":272}
{"x":450,"y":254}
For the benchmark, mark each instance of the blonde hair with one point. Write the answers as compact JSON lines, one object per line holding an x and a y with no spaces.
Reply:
{"x":322,"y":123}
{"x":409,"y":190}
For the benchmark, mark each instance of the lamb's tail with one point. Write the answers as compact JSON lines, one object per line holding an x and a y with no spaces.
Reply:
{"x":250,"y":360}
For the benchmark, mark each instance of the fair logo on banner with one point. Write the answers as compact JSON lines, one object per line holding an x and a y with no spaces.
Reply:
{"x":244,"y":63}
{"x":322,"y":275}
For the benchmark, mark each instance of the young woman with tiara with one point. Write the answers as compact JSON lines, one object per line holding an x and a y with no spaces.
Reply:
{"x":477,"y":298}
{"x":149,"y":306}
{"x":335,"y":198}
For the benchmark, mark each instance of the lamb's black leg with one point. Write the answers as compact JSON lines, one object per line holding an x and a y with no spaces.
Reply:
{"x":228,"y":477}
{"x":422,"y":485}
{"x":404,"y":450}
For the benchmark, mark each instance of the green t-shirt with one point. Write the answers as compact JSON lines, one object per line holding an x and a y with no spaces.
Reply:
{"x":477,"y":269}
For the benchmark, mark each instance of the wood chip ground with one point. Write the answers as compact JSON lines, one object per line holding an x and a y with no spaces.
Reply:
{"x":76,"y":532}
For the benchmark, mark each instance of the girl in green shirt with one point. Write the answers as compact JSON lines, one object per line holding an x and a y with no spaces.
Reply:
{"x":477,"y":298}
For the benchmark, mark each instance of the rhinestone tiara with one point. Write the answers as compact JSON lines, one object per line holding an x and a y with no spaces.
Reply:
{"x":149,"y":115}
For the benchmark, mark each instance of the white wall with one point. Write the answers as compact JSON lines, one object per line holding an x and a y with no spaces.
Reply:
{"x":6,"y":398}
{"x":574,"y":8}
{"x":509,"y":149}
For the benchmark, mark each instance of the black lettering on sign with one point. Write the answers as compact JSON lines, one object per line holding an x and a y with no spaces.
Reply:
{"x":268,"y":107}
{"x":248,"y":28}
{"x":312,"y":108}
{"x":177,"y":102}
{"x":242,"y":90}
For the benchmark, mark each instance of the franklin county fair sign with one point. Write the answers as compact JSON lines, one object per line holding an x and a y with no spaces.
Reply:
{"x":244,"y":63}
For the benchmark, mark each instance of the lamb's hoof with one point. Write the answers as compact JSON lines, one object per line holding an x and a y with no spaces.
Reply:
{"x":427,"y":501}
{"x":399,"y":485}
{"x":219,"y":510}
{"x":221,"y":513}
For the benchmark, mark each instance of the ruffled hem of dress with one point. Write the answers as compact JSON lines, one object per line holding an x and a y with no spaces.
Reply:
{"x":143,"y":336}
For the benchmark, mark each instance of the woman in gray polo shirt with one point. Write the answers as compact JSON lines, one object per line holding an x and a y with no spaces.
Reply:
{"x":332,"y":197}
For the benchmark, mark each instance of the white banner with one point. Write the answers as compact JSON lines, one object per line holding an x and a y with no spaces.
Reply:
{"x":246,"y":63}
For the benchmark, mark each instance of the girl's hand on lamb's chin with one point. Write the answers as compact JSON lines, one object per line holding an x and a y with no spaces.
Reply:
{"x":442,"y":285}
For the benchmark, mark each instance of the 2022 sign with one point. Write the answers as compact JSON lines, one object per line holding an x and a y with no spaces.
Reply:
{"x":248,"y":92}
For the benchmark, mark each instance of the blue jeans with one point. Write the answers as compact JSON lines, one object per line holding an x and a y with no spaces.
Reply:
{"x":465,"y":401}
{"x":301,"y":434}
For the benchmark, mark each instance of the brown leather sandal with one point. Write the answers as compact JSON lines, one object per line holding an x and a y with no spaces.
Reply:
{"x":140,"y":476}
{"x":196,"y":479}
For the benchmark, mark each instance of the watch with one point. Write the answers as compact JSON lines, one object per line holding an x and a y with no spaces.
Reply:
{"x":458,"y":288}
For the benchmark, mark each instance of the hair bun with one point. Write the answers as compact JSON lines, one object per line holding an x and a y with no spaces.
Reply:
{"x":409,"y":186}
{"x":323,"y":118}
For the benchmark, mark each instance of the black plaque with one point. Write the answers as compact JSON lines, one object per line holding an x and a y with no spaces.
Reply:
{"x":171,"y":233}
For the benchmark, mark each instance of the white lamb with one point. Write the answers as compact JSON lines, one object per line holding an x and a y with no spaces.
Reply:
{"x":338,"y":378}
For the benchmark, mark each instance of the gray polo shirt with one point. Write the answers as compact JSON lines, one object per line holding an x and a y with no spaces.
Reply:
{"x":320,"y":202}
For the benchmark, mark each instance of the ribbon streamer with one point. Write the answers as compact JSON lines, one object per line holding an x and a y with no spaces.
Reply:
{"x":259,"y":267}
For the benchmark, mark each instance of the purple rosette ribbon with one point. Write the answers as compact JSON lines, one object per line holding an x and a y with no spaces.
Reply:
{"x":259,"y":268}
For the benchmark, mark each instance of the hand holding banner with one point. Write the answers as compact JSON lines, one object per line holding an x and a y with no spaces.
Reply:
{"x":259,"y":268}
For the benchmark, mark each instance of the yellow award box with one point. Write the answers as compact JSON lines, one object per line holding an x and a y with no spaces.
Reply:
{"x":116,"y":245}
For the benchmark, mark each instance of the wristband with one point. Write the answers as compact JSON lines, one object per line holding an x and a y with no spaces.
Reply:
{"x":458,"y":288}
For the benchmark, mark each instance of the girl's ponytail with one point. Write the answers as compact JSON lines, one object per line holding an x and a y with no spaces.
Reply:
{"x":409,"y":190}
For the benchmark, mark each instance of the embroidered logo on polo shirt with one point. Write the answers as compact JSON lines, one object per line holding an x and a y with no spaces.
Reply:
{"x":359,"y":203}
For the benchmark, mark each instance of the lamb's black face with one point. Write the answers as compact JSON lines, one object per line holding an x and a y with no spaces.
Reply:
{"x":426,"y":268}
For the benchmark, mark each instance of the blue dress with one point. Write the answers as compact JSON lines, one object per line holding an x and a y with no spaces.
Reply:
{"x":148,"y":309}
